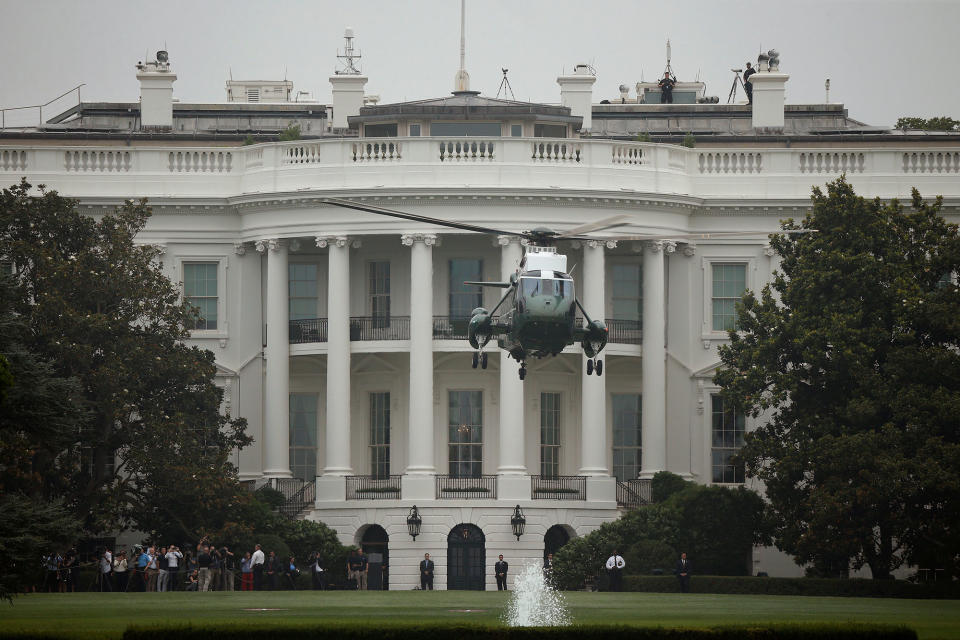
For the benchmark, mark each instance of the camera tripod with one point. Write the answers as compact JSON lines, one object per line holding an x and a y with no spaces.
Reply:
{"x":737,"y":80}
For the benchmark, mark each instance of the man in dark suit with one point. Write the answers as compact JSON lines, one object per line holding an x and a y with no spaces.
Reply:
{"x":500,"y":569}
{"x":426,"y":573}
{"x":683,"y":573}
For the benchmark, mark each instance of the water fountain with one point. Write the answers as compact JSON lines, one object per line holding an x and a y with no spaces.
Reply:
{"x":534,"y":603}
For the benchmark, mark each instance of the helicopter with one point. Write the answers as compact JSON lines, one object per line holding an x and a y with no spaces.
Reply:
{"x":541,"y":304}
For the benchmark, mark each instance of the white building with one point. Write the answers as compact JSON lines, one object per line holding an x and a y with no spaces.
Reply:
{"x":340,"y":337}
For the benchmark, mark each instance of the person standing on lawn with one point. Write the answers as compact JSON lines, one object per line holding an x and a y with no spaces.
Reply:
{"x":683,"y":573}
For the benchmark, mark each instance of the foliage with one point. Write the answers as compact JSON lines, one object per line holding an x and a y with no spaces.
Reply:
{"x":852,"y":358}
{"x":943,"y":123}
{"x":151,"y":449}
{"x":643,"y":136}
{"x":441,"y":631}
{"x":664,"y":484}
{"x":821,"y":587}
{"x":249,"y":141}
{"x":689,"y":140}
{"x":292,"y":132}
{"x":716,"y":526}
{"x":29,"y":530}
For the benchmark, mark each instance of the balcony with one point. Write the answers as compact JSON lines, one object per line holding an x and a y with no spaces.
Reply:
{"x":558,"y":487}
{"x":479,"y":488}
{"x":450,"y":328}
{"x":624,"y":331}
{"x":380,"y":328}
{"x":306,"y":331}
{"x":373,"y":488}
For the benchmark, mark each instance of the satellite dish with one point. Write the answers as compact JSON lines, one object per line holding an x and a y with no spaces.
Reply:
{"x":624,"y":89}
{"x":162,"y":56}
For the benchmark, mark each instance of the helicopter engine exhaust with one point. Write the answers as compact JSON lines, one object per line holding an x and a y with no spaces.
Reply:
{"x":479,"y":330}
{"x":595,"y":339}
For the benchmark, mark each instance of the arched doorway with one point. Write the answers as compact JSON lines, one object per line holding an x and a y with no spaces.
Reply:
{"x":555,"y":537}
{"x":375,"y":546}
{"x":466,"y":558}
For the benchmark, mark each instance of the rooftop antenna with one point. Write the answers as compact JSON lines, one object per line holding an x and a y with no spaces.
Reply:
{"x":669,"y":68}
{"x":349,"y":57}
{"x":462,"y":80}
{"x":505,"y":86}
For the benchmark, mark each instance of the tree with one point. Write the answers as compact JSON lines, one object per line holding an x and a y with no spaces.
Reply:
{"x":852,"y":357}
{"x":152,"y":448}
{"x":943,"y":123}
{"x":292,"y":132}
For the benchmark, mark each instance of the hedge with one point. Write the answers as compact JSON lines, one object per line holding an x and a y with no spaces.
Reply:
{"x":856,"y":588}
{"x":485,"y":632}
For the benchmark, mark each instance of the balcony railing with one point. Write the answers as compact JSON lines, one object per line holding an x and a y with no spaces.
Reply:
{"x":310,"y":330}
{"x":624,"y":331}
{"x":634,"y":493}
{"x":558,"y":487}
{"x":298,"y":495}
{"x":380,"y":328}
{"x":481,"y":487}
{"x":373,"y":488}
{"x":450,"y":327}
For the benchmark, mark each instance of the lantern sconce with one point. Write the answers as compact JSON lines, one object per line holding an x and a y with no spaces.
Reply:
{"x":518,"y":522}
{"x":413,"y":522}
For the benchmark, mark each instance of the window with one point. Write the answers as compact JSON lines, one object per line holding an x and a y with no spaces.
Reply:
{"x":378,"y":278}
{"x":200,"y":290}
{"x":414,"y":130}
{"x":303,"y":436}
{"x":466,"y":434}
{"x":550,"y":130}
{"x":728,"y":428}
{"x":381,"y":130}
{"x":729,"y":283}
{"x":303,"y":291}
{"x":628,"y":292}
{"x":380,"y":434}
{"x":464,"y":128}
{"x":516,"y":130}
{"x":550,"y":434}
{"x":464,"y":298}
{"x":627,"y":435}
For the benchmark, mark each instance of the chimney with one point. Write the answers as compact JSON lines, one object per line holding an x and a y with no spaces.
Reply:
{"x":768,"y":93}
{"x":347,"y":85}
{"x":156,"y":93}
{"x":576,"y":92}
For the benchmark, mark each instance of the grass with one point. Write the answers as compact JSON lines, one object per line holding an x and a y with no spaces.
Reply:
{"x":95,"y":615}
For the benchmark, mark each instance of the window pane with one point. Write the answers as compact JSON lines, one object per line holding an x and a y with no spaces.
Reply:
{"x":378,"y":285}
{"x":627,"y":292}
{"x":414,"y":130}
{"x":380,"y":434}
{"x":627,"y":435}
{"x":303,"y":436}
{"x":465,"y":129}
{"x":380,"y":130}
{"x":729,"y":283}
{"x":550,"y":404}
{"x":728,"y":428}
{"x":303,"y":291}
{"x":550,"y":130}
{"x":465,"y":427}
{"x":465,"y":298}
{"x":516,"y":130}
{"x":200,"y":290}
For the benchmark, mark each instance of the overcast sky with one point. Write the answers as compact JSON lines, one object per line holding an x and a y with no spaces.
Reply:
{"x":885,"y":58}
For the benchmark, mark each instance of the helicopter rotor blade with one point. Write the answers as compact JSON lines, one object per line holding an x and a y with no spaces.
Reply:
{"x":349,"y":204}
{"x":606,"y":223}
{"x":707,"y":235}
{"x":499,"y":285}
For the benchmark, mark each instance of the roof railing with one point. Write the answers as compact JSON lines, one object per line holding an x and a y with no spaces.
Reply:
{"x":3,"y":112}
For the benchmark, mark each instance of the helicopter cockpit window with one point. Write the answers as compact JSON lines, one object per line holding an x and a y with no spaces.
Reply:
{"x":533,"y":287}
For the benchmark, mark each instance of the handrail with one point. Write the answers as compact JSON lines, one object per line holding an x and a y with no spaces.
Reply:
{"x":3,"y":111}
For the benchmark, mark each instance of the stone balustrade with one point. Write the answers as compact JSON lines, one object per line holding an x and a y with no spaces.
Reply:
{"x":582,"y":166}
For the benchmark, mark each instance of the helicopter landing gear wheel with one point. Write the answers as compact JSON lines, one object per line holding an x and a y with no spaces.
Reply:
{"x":589,"y":367}
{"x":523,"y":371}
{"x":483,"y":360}
{"x":599,"y":367}
{"x":476,"y":360}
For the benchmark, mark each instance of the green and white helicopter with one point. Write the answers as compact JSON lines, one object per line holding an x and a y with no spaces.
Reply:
{"x":540,"y":303}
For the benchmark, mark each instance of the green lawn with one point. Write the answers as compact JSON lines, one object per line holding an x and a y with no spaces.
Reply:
{"x":107,"y":615}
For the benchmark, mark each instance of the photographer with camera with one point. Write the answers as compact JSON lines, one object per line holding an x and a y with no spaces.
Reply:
{"x":120,"y":570}
{"x":174,"y":557}
{"x":227,"y":564}
{"x":204,"y":560}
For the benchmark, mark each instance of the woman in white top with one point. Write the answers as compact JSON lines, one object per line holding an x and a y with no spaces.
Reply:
{"x":120,"y":570}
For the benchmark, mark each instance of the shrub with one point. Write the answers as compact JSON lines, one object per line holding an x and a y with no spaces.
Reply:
{"x":664,"y":484}
{"x":292,"y":132}
{"x":689,"y":141}
{"x":643,"y":136}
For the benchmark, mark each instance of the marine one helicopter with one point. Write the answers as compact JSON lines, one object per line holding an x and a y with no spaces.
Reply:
{"x":541,"y":305}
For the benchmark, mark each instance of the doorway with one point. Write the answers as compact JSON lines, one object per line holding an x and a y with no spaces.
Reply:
{"x":466,"y":559}
{"x":375,"y":545}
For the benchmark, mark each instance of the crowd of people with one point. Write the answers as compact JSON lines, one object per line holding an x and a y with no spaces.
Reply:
{"x":157,"y":568}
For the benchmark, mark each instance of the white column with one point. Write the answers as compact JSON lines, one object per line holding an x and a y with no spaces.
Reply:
{"x":337,"y":447}
{"x":276,"y":414}
{"x":593,"y":420}
{"x":420,"y":436}
{"x":654,"y":415}
{"x":511,"y":387}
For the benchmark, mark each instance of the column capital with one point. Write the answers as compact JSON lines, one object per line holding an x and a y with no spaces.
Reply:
{"x":505,"y":240}
{"x":271,"y":244}
{"x":239,"y":248}
{"x":690,"y":249}
{"x":599,"y":244}
{"x":654,"y":246}
{"x":669,"y":246}
{"x":768,"y":250}
{"x":408,"y":239}
{"x":337,"y":240}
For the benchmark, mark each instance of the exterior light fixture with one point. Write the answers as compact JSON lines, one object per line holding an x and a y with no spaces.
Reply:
{"x":518,"y":522}
{"x":414,"y":521}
